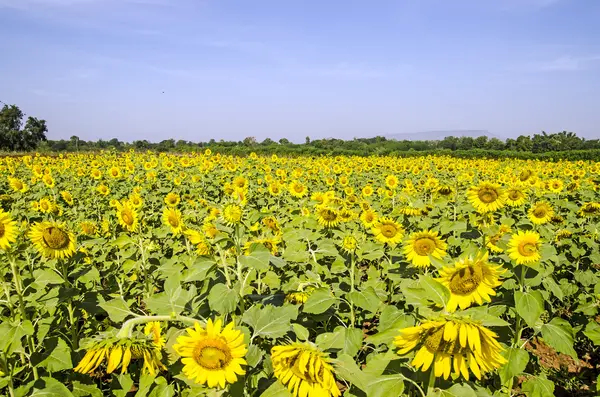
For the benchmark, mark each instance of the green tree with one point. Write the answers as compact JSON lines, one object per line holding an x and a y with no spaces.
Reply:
{"x":13,"y":137}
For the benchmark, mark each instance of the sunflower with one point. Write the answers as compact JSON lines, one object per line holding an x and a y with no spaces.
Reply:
{"x":391,"y":181}
{"x":486,"y":197}
{"x":305,"y":369}
{"x":387,"y":231}
{"x":423,"y":244}
{"x":524,"y":247}
{"x":540,"y":213}
{"x":46,"y":206}
{"x":136,"y":201}
{"x":203,"y":248}
{"x":555,"y":185}
{"x":8,"y":232}
{"x":172,"y":218}
{"x":88,"y":228}
{"x":103,"y":190}
{"x":297,"y":189}
{"x":67,"y":197}
{"x":53,"y":240}
{"x":589,"y":210}
{"x":212,"y":356}
{"x":470,"y":281}
{"x":232,"y":214}
{"x":17,"y":185}
{"x":128,"y":216}
{"x":349,"y":244}
{"x":444,"y":190}
{"x":327,"y":216}
{"x":447,"y":342}
{"x":515,"y":197}
{"x":153,"y":328}
{"x":367,"y":191}
{"x":172,"y":199}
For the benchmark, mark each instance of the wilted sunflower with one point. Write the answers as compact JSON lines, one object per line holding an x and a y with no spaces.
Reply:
{"x":515,"y":197}
{"x":486,"y":197}
{"x":470,"y":280}
{"x":269,"y":243}
{"x":444,"y":190}
{"x":128,"y":216}
{"x":67,"y":197}
{"x":327,"y":216}
{"x":232,"y":214}
{"x":387,"y":231}
{"x":524,"y":247}
{"x":88,"y":228}
{"x":446,"y":343}
{"x":589,"y":210}
{"x":562,"y":234}
{"x":8,"y":232}
{"x":52,"y":240}
{"x":304,"y":369}
{"x":540,"y":213}
{"x":421,"y":245}
{"x":212,"y":356}
{"x":153,"y":328}
{"x":172,"y":218}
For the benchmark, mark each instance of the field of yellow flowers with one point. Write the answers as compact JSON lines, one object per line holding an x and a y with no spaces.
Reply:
{"x":145,"y":274}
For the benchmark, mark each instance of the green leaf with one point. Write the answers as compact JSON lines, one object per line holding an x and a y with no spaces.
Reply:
{"x":270,"y":321}
{"x":482,"y":314}
{"x":559,"y":334}
{"x":12,"y":335}
{"x":58,"y":355}
{"x":43,"y":277}
{"x":553,"y":287}
{"x":529,"y":306}
{"x":538,"y":387}
{"x":462,"y":390}
{"x":353,"y":338}
{"x":319,"y":301}
{"x":276,"y":390}
{"x":592,"y":331}
{"x":84,"y":390}
{"x":331,"y":340}
{"x":258,"y":259}
{"x":173,"y":300}
{"x":346,"y":368}
{"x":222,"y":299}
{"x":117,"y":309}
{"x":378,"y":362}
{"x":366,"y":299}
{"x":385,"y":386}
{"x":434,"y":291}
{"x":49,"y":387}
{"x":301,"y":332}
{"x":199,"y":270}
{"x":517,"y":361}
{"x":254,"y":356}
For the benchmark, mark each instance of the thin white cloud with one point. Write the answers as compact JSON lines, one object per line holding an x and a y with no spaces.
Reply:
{"x":565,"y":64}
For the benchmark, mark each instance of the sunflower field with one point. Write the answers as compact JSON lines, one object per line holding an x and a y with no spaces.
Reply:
{"x":146,"y":274}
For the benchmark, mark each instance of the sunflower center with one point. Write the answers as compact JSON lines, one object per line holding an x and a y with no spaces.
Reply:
{"x":55,"y":238}
{"x":487,"y":195}
{"x":127,"y":218}
{"x":2,"y":229}
{"x":466,"y":280}
{"x":173,"y":220}
{"x":514,"y":195}
{"x":388,"y":230}
{"x":527,"y":248}
{"x":434,"y":341}
{"x":212,"y":354}
{"x":328,"y":215}
{"x":299,"y":188}
{"x":539,"y":212}
{"x":424,"y":246}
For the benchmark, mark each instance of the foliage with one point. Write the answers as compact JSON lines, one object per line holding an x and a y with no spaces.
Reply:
{"x":15,"y":138}
{"x":282,"y":248}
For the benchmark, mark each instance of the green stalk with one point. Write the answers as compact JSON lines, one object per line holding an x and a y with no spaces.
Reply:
{"x":352,"y":281}
{"x":127,"y":327}
{"x":518,"y":327}
{"x":431,"y":381}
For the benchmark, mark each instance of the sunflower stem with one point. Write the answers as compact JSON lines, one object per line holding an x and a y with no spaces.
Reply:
{"x":127,"y":327}
{"x":352,"y":314}
{"x":518,"y":327}
{"x":431,"y":381}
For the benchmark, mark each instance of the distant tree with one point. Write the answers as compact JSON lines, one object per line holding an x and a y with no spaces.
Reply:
{"x":480,"y":142}
{"x":449,"y":142}
{"x":13,"y":137}
{"x":307,"y":140}
{"x":284,"y":141}
{"x":495,"y":144}
{"x":75,"y":141}
{"x":250,"y":141}
{"x":267,"y":142}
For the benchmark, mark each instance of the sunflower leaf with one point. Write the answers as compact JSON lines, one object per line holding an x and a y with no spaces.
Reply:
{"x":517,"y":361}
{"x":559,"y":334}
{"x":270,"y":321}
{"x":434,"y":291}
{"x":319,"y":301}
{"x":538,"y":386}
{"x":529,"y":306}
{"x":386,"y":385}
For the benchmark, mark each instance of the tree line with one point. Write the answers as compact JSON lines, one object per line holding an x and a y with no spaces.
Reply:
{"x":16,"y":137}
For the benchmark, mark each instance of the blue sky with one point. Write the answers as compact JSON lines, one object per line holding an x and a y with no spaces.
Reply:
{"x":292,"y":68}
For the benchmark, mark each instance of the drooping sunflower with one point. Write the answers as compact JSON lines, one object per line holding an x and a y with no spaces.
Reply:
{"x":153,"y":328}
{"x":304,"y":369}
{"x":128,"y":216}
{"x":327,"y":216}
{"x":8,"y":232}
{"x":52,"y":240}
{"x":540,"y":213}
{"x":447,"y":342}
{"x":232,"y":214}
{"x":17,"y":185}
{"x":422,"y":244}
{"x":589,"y":210}
{"x":515,"y":197}
{"x":269,"y":243}
{"x":212,"y":355}
{"x":486,"y":197}
{"x":202,"y":246}
{"x":524,"y":247}
{"x":88,"y":228}
{"x":470,"y":280}
{"x":67,"y":197}
{"x":172,"y":217}
{"x":386,"y":230}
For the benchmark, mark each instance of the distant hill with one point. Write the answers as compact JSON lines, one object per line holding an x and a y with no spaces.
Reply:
{"x":439,"y":135}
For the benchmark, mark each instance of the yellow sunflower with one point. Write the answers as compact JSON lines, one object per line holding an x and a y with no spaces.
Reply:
{"x":203,"y":248}
{"x":232,"y":214}
{"x":172,"y":199}
{"x":212,"y":355}
{"x":524,"y":247}
{"x":349,"y":244}
{"x":422,"y":244}
{"x":304,"y":369}
{"x":391,"y":181}
{"x":8,"y":232}
{"x":17,"y":185}
{"x":446,"y":343}
{"x":515,"y":197}
{"x":540,"y":213}
{"x":172,"y":217}
{"x":128,"y":216}
{"x":387,"y":231}
{"x":67,"y":197}
{"x":327,"y":216}
{"x":486,"y":197}
{"x":297,"y":189}
{"x":153,"y":328}
{"x":52,"y":240}
{"x":88,"y":228}
{"x":470,"y":281}
{"x":589,"y":210}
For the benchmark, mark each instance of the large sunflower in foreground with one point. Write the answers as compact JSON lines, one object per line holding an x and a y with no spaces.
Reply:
{"x":213,"y":355}
{"x":540,"y":213}
{"x":8,"y":233}
{"x":422,"y":244}
{"x":470,"y":281}
{"x":304,"y":369}
{"x":446,"y":343}
{"x":524,"y":247}
{"x":52,"y":240}
{"x":486,"y":197}
{"x":388,"y":231}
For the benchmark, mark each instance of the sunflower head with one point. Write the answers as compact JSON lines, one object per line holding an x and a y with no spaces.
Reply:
{"x":173,"y":219}
{"x":387,"y":231}
{"x":524,"y":247}
{"x":422,"y":245}
{"x":304,"y":369}
{"x":8,"y":230}
{"x":540,"y":213}
{"x":486,"y":197}
{"x":328,"y":216}
{"x":232,"y":214}
{"x":53,"y":240}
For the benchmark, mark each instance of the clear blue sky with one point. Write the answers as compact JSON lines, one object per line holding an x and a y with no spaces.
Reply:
{"x":292,"y":68}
